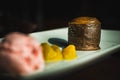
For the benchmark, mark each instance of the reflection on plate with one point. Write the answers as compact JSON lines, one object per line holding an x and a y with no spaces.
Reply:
{"x":110,"y":43}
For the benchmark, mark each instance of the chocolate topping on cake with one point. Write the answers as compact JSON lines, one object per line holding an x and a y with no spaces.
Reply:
{"x":85,"y":20}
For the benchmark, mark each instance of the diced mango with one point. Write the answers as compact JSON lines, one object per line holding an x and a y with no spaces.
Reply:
{"x":51,"y":53}
{"x":59,"y":55}
{"x":69,"y":52}
{"x":48,"y":52}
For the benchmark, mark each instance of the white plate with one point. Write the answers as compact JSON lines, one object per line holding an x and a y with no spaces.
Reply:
{"x":110,"y":43}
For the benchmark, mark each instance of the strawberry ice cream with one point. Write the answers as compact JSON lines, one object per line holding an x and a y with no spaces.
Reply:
{"x":20,"y":54}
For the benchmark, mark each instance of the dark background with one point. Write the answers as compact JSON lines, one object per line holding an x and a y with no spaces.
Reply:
{"x":107,"y":11}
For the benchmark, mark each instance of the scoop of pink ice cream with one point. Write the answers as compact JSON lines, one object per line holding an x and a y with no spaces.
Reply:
{"x":20,"y":54}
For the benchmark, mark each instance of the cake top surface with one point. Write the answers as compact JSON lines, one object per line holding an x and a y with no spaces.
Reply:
{"x":85,"y":20}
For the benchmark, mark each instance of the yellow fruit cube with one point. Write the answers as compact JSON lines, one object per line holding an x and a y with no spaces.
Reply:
{"x":69,"y":52}
{"x":59,"y":55}
{"x":51,"y":53}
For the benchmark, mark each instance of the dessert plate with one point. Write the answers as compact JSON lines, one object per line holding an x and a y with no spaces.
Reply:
{"x":110,"y":43}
